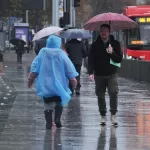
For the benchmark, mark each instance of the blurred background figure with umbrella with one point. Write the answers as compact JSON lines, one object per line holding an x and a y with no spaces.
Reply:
{"x":76,"y":50}
{"x":19,"y":47}
{"x":104,"y":58}
{"x":41,"y":37}
{"x":16,"y":41}
{"x":75,"y":34}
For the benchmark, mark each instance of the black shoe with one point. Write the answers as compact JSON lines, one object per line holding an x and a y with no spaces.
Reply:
{"x":48,"y":118}
{"x":77,"y":92}
{"x":58,"y":113}
{"x":48,"y":126}
{"x":58,"y":124}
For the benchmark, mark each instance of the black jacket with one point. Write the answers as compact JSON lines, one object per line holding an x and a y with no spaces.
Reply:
{"x":39,"y":44}
{"x":76,"y":51}
{"x":20,"y":49}
{"x":99,"y":59}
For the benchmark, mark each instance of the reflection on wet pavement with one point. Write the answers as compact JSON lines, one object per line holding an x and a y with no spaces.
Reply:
{"x":22,"y":123}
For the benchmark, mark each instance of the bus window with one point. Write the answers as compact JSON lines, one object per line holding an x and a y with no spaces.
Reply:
{"x":133,"y":35}
{"x":145,"y":34}
{"x":139,"y":36}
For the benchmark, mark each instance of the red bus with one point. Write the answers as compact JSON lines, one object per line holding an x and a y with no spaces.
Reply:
{"x":138,"y":39}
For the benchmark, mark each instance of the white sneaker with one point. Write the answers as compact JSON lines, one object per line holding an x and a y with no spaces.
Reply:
{"x":103,"y":120}
{"x":114,"y":120}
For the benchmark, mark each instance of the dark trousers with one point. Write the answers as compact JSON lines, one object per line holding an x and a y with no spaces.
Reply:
{"x":78,"y":69}
{"x":52,"y":102}
{"x":109,"y":82}
{"x":19,"y":57}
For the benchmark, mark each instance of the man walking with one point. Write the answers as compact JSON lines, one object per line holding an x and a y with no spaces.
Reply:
{"x":103,"y":51}
{"x":76,"y":51}
{"x":19,"y":52}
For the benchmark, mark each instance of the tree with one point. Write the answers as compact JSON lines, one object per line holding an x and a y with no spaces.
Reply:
{"x":18,"y":11}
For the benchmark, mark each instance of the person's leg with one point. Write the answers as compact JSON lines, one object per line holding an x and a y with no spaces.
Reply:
{"x":21,"y":58}
{"x":58,"y":113}
{"x":17,"y":57}
{"x":101,"y":84}
{"x":78,"y":69}
{"x":49,"y":106}
{"x":113,"y":94}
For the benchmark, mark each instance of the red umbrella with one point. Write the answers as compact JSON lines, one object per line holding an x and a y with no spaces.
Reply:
{"x":116,"y":21}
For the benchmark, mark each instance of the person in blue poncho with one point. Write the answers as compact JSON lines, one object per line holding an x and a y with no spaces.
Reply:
{"x":53,"y":72}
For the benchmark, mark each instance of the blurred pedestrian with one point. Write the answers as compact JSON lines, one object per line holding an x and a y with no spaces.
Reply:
{"x":52,"y":68}
{"x":39,"y":44}
{"x":87,"y":46}
{"x":64,"y":48}
{"x":103,"y":50}
{"x":19,"y":51}
{"x":76,"y":52}
{"x":1,"y":62}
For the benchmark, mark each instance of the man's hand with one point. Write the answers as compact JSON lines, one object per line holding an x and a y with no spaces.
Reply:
{"x":30,"y":82}
{"x":91,"y":77}
{"x":31,"y":78}
{"x":73,"y":82}
{"x":109,"y":49}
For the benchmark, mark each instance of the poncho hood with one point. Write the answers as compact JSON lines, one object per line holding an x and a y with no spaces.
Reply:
{"x":53,"y":42}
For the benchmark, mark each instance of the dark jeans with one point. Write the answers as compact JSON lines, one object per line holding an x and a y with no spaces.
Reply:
{"x":19,"y":57}
{"x":109,"y":82}
{"x":78,"y":69}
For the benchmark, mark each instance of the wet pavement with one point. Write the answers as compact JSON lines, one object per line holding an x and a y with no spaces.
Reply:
{"x":22,"y":123}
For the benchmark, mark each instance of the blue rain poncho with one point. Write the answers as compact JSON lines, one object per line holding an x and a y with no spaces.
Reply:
{"x":54,"y":68}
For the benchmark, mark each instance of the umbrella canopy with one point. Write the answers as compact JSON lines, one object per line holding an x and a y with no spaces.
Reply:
{"x":16,"y":41}
{"x":75,"y":33}
{"x":116,"y":21}
{"x":46,"y":32}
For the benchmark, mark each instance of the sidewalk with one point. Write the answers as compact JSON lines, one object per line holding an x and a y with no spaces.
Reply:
{"x":11,"y":57}
{"x":22,"y":122}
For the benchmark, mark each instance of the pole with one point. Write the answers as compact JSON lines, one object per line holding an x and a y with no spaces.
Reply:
{"x":71,"y":5}
{"x":27,"y":16}
{"x":74,"y":16}
{"x":57,"y":12}
{"x":44,"y":4}
{"x":53,"y":12}
{"x":36,"y":20}
{"x":9,"y":35}
{"x":65,"y":4}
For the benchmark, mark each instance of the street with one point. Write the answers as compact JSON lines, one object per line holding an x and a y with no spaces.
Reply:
{"x":22,"y":122}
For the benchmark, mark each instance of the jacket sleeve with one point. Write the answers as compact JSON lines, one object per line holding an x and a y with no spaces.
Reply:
{"x":117,"y":53}
{"x":91,"y":60}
